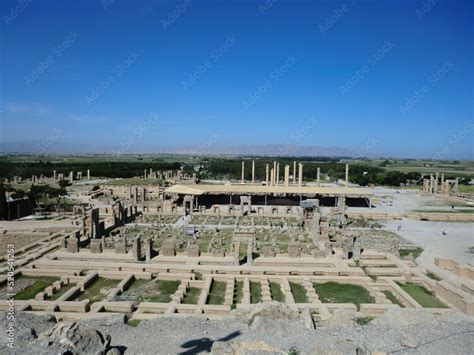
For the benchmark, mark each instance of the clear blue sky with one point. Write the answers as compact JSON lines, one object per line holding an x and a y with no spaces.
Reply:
{"x":384,"y":77}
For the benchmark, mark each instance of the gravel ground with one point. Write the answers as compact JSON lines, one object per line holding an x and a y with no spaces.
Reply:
{"x":398,"y":331}
{"x":177,"y":335}
{"x":429,"y":235}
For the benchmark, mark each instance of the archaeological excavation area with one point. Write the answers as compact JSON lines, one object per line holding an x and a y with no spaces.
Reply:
{"x":193,"y":249}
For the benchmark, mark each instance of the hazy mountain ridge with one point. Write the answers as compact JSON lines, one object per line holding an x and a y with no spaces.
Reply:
{"x":259,"y":150}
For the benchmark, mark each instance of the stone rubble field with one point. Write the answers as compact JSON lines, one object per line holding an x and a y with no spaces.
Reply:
{"x":271,"y":328}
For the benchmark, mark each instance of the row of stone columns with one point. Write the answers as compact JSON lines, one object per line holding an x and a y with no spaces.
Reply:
{"x":272,"y":176}
{"x":71,"y":175}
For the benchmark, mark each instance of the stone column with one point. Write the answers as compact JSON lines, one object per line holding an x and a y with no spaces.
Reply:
{"x":137,"y":249}
{"x":456,"y":186}
{"x":88,"y":174}
{"x":431,"y":184}
{"x":436,"y":183}
{"x":277,"y":179}
{"x":243,"y":171}
{"x":144,"y":175}
{"x":318,"y":176}
{"x":249,"y":252}
{"x":54,"y":174}
{"x":300,"y":177}
{"x":294,"y":172}
{"x":121,"y":246}
{"x":442,"y":184}
{"x":71,"y":176}
{"x":96,"y":246}
{"x":274,"y":172}
{"x":236,"y":252}
{"x":266,"y":175}
{"x":148,"y":249}
{"x":347,"y":175}
{"x":272,"y":177}
{"x":253,"y":171}
{"x":287,"y":175}
{"x":73,"y":244}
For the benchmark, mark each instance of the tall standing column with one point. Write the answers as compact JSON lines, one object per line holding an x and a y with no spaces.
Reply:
{"x":294,"y":172}
{"x":243,"y":171}
{"x":287,"y":175}
{"x":347,"y":175}
{"x":274,"y":171}
{"x":318,"y":171}
{"x":266,"y":174}
{"x":277,"y":180}
{"x":442,"y":184}
{"x":253,"y":171}
{"x":272,"y":177}
{"x":88,"y":174}
{"x":144,"y":175}
{"x":300,"y":175}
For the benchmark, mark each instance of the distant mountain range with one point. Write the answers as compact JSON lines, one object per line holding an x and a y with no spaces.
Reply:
{"x":39,"y":148}
{"x":268,"y":150}
{"x":257,"y":150}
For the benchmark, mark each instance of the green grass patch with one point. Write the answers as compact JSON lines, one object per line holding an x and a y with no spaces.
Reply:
{"x":96,"y":292}
{"x":242,"y":250}
{"x":277,"y":294}
{"x":217,"y":293}
{"x":164,"y":289}
{"x":433,"y":276}
{"x":364,"y":320}
{"x":255,"y":292}
{"x":62,"y":291}
{"x":238,"y":292}
{"x":134,"y":322}
{"x":333,"y":292}
{"x":203,"y":247}
{"x":40,"y":283}
{"x":468,"y":189}
{"x":391,"y":297}
{"x":192,"y":295}
{"x":416,"y":252}
{"x":299,"y":293}
{"x":422,"y":295}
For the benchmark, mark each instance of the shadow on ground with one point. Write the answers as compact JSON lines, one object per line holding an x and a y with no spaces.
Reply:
{"x":205,"y":344}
